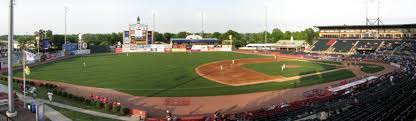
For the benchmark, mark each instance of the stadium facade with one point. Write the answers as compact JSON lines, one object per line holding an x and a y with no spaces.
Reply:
{"x":398,"y":31}
{"x":352,"y":39}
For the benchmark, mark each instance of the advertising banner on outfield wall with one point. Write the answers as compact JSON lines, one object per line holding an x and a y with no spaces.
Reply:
{"x":126,"y":37}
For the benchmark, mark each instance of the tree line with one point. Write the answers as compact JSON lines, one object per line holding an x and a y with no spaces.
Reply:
{"x":240,"y":39}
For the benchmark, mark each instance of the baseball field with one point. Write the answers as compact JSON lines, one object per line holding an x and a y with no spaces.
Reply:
{"x":174,"y":74}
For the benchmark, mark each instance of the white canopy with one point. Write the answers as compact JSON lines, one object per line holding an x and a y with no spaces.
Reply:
{"x":260,"y":45}
{"x":336,"y":89}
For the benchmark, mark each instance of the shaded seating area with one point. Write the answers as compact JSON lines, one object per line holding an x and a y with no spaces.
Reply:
{"x":368,"y":44}
{"x":390,"y":45}
{"x":323,"y":44}
{"x":344,"y":46}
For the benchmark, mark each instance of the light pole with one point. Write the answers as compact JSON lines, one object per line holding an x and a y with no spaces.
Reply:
{"x":154,"y":26}
{"x":66,"y":10}
{"x":11,"y":111}
{"x":265,"y":28}
{"x":202,"y":24}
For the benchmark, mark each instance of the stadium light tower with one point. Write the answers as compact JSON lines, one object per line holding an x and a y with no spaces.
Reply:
{"x":265,"y":28}
{"x":202,"y":24}
{"x":154,"y":25}
{"x":66,"y":11}
{"x":11,"y":111}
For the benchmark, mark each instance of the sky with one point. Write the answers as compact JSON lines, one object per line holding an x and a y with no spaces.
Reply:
{"x":106,"y":16}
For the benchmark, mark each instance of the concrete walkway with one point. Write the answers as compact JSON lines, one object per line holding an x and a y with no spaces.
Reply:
{"x":56,"y":116}
{"x":52,"y":114}
{"x":94,"y":113}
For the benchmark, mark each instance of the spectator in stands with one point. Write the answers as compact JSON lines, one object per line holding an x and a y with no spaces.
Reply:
{"x":105,"y":100}
{"x":168,"y":115}
{"x":284,"y":104}
{"x":391,"y":78}
{"x":34,"y":92}
{"x":217,"y":116}
{"x":272,"y":107}
{"x":50,"y":94}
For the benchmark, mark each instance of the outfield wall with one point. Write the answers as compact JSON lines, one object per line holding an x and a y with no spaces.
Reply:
{"x":169,"y":48}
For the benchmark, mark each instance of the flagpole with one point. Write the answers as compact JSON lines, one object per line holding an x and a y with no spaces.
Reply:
{"x":24,"y":78}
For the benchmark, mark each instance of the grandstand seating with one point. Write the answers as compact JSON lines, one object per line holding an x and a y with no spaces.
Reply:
{"x":390,"y":45}
{"x":385,"y":102}
{"x":377,"y":100}
{"x":323,"y":44}
{"x":370,"y":44}
{"x":409,"y":46}
{"x":344,"y":45}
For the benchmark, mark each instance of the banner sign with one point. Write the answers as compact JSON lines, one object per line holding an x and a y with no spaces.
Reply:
{"x":126,"y":37}
{"x":45,"y":44}
{"x":82,"y":52}
{"x":149,"y":37}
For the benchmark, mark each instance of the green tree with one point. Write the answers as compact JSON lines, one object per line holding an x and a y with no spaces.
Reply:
{"x":158,"y":37}
{"x":57,"y":41}
{"x":48,"y":34}
{"x":236,"y":36}
{"x":182,"y":34}
{"x":168,"y":36}
{"x":216,"y":35}
{"x":25,"y":41}
{"x":276,"y":35}
{"x":287,"y":35}
{"x":311,"y":35}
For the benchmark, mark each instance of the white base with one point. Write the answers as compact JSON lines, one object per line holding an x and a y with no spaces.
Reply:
{"x":14,"y":114}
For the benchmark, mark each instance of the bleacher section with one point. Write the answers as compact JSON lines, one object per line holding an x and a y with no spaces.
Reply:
{"x":323,"y":44}
{"x":390,"y":45}
{"x":386,"y":101}
{"x":350,"y":45}
{"x":379,"y":100}
{"x":409,"y":46}
{"x":343,"y":46}
{"x":368,"y":44}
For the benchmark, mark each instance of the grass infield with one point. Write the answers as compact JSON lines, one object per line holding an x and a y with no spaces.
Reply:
{"x":299,"y":68}
{"x":160,"y":74}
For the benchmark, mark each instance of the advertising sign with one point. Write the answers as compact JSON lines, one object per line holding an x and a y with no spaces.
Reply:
{"x":149,"y":37}
{"x":126,"y":37}
{"x":45,"y":44}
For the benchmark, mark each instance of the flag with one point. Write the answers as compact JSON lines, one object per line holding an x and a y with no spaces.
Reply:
{"x":30,"y":56}
{"x":27,"y":70}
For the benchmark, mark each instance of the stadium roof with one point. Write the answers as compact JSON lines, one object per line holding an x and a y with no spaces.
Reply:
{"x":203,"y":40}
{"x":367,"y":26}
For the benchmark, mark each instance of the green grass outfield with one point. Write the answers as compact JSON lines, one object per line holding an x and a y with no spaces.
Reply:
{"x":303,"y":67}
{"x":371,"y":68}
{"x":160,"y":74}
